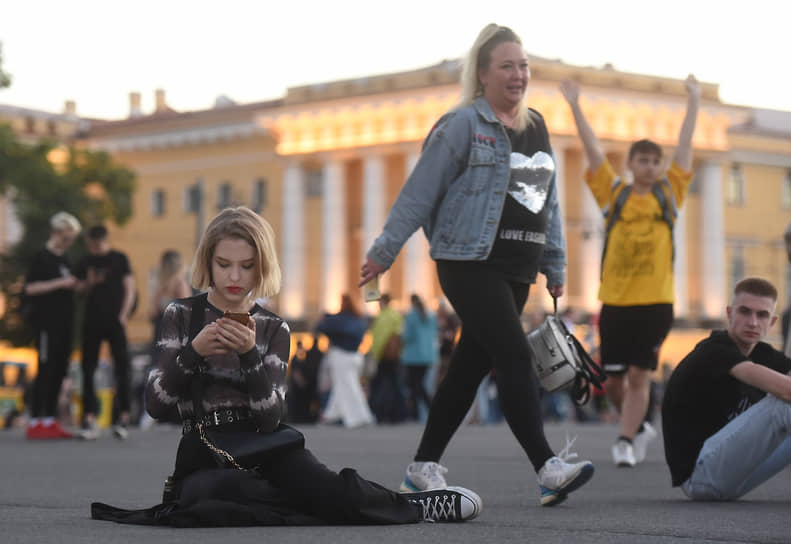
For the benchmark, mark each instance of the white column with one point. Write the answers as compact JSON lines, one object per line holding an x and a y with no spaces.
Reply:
{"x":681,"y":304}
{"x":373,"y":203}
{"x":589,"y":263}
{"x":712,"y":241}
{"x":292,"y":299}
{"x":417,"y":277}
{"x":333,"y":233}
{"x":560,"y":176}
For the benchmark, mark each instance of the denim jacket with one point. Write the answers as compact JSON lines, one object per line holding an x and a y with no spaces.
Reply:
{"x":456,"y":193}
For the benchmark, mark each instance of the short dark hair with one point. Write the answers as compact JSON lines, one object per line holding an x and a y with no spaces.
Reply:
{"x":756,"y":286}
{"x":645,"y":146}
{"x":97,"y":232}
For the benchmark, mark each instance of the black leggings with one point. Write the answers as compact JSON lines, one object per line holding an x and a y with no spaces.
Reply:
{"x":92,"y":335}
{"x":54,"y":345}
{"x":489,"y":307}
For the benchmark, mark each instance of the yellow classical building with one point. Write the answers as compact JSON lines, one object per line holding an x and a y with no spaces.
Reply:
{"x":325,"y":162}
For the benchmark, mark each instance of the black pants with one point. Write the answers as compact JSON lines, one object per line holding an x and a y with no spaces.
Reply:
{"x":94,"y":332}
{"x":416,"y":391}
{"x":304,"y":485}
{"x":54,"y":343}
{"x":489,"y":307}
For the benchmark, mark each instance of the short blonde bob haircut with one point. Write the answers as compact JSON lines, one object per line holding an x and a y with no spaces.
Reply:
{"x":478,"y":60}
{"x":244,"y":224}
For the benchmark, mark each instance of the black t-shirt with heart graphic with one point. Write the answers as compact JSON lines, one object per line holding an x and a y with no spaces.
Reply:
{"x":521,"y":234}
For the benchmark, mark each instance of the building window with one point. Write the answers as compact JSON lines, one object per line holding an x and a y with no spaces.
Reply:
{"x":224,"y":196}
{"x":737,"y":265}
{"x":193,"y":197}
{"x":785,"y":191}
{"x":260,"y":190}
{"x":735,"y":186}
{"x":158,"y":203}
{"x":313,"y":184}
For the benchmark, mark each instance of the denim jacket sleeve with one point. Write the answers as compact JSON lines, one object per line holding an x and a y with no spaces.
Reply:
{"x":553,"y":261}
{"x":442,"y":160}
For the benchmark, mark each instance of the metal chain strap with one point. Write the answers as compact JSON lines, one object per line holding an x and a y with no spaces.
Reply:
{"x":221,"y":452}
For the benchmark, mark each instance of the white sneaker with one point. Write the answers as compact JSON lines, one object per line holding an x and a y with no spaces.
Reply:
{"x":120,"y":432}
{"x":623,"y":454}
{"x":91,"y":431}
{"x":424,"y":476}
{"x":449,"y":504}
{"x":557,"y":479}
{"x":641,"y":440}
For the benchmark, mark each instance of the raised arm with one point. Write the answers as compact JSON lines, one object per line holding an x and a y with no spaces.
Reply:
{"x":593,"y":150}
{"x":683,"y":154}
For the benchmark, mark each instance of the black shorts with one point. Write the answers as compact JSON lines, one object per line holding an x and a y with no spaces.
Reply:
{"x":632,"y":335}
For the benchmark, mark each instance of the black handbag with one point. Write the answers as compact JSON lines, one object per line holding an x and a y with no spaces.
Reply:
{"x":243,"y":450}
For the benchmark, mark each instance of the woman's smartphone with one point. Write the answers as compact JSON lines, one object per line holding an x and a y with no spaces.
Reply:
{"x":242,"y":317}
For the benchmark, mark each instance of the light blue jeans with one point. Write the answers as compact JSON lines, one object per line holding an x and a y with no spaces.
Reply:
{"x":745,"y":453}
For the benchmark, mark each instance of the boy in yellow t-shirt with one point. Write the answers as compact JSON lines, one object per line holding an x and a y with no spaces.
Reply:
{"x":637,"y":266}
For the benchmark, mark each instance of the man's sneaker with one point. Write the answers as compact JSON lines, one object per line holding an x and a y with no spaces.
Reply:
{"x":641,"y":440}
{"x":90,"y":431}
{"x":54,"y":430}
{"x":120,"y":432}
{"x":623,"y":454}
{"x":35,"y":431}
{"x":424,"y":476}
{"x":557,"y":479}
{"x":449,"y":504}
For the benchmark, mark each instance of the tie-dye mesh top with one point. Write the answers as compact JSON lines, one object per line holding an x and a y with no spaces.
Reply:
{"x":254,"y":380}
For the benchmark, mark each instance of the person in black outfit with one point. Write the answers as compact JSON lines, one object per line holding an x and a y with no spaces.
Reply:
{"x":50,"y":285}
{"x":240,"y":367}
{"x":726,"y":413}
{"x":302,"y":397}
{"x":106,"y":278}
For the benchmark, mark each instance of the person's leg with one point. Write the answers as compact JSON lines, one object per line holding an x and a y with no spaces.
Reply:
{"x":614,"y":387}
{"x":491,"y":331}
{"x":38,"y":391}
{"x":743,"y":454}
{"x":91,"y":340}
{"x":635,"y":400}
{"x":120,"y":353}
{"x":337,"y":498}
{"x":60,"y":351}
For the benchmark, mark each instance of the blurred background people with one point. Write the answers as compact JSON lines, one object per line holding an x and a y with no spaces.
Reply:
{"x":49,"y":287}
{"x":347,"y":403}
{"x":419,"y":353}
{"x":106,"y":278}
{"x":302,"y":395}
{"x":386,"y":397}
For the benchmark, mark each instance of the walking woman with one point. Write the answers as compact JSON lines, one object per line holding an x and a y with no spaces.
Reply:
{"x":228,"y":377}
{"x":484,"y":193}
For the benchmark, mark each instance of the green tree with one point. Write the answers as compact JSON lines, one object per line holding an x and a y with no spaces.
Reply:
{"x":89,"y":185}
{"x":5,"y":77}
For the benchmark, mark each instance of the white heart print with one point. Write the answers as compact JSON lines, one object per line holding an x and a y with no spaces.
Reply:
{"x":530,"y":177}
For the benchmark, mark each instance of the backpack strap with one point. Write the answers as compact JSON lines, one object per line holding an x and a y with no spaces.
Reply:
{"x":661,"y":189}
{"x":613,"y":213}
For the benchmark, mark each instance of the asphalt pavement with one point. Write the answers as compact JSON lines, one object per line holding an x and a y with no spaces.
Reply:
{"x":47,"y":488}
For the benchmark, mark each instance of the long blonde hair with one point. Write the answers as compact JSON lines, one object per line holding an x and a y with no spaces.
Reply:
{"x":242,"y":223}
{"x":479,"y":58}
